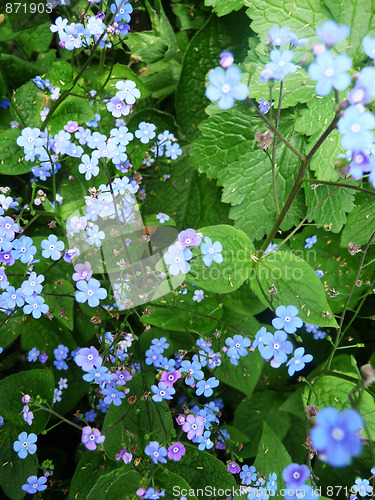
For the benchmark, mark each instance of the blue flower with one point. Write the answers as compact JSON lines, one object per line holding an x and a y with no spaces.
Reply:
{"x":35,"y":484}
{"x":162,"y":391}
{"x":52,"y":248}
{"x":279,"y":67}
{"x":264,"y":107}
{"x":204,"y":441}
{"x":90,"y":415}
{"x":258,"y":341}
{"x":112,"y":395}
{"x":239,"y":343}
{"x":226,"y":86}
{"x":368,"y":44}
{"x":123,"y":8}
{"x":60,"y":364}
{"x":156,"y":452}
{"x":35,"y":305}
{"x":295,"y":475}
{"x":297,"y":363}
{"x":89,"y":166}
{"x":145,"y":132}
{"x":198,"y":295}
{"x":25,"y":444}
{"x":33,"y":354}
{"x":248,"y":474}
{"x":127,"y":91}
{"x":193,"y":370}
{"x":330,"y":72}
{"x":205,"y":387}
{"x":173,"y":150}
{"x":355,"y":127}
{"x":94,"y":236}
{"x":97,"y":375}
{"x":121,"y":136}
{"x":361,"y":163}
{"x":226,"y":59}
{"x":90,"y":291}
{"x":277,"y":347}
{"x":279,"y":36}
{"x":272,"y":484}
{"x":310,"y":241}
{"x":162,"y":218}
{"x":335,"y":435}
{"x":23,"y":249}
{"x":211,"y":251}
{"x":287,"y":319}
{"x":319,"y":273}
{"x":362,"y":487}
{"x":319,"y":335}
{"x":176,"y":260}
{"x":331,"y":33}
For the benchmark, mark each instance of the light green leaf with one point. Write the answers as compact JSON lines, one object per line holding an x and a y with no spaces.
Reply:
{"x":316,"y":117}
{"x":13,"y":387}
{"x":61,"y":74}
{"x":251,"y":413}
{"x":339,"y":267}
{"x":202,"y":54}
{"x":361,"y":222}
{"x":201,"y":469}
{"x":332,"y":211}
{"x":224,"y":7}
{"x":27,"y":103}
{"x":128,"y":482}
{"x":73,"y":108}
{"x":11,"y":155}
{"x":235,"y":268}
{"x":272,"y":455}
{"x":323,"y":160}
{"x":297,"y":284}
{"x":243,"y":301}
{"x":244,"y":376}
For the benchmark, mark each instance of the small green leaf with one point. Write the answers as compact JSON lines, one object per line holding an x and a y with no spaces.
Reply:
{"x":27,"y":103}
{"x":361,"y":222}
{"x":235,"y":268}
{"x":297,"y":284}
{"x":11,"y":155}
{"x":12,"y":388}
{"x":73,"y":108}
{"x":224,"y":7}
{"x":272,"y":455}
{"x":201,"y":469}
{"x":61,"y":74}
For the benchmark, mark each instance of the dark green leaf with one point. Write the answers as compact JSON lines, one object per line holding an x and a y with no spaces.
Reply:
{"x":11,"y":155}
{"x":361,"y":222}
{"x":73,"y":108}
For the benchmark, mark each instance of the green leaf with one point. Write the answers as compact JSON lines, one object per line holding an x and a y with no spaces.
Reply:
{"x":184,"y":313}
{"x":91,"y":466}
{"x":61,"y":307}
{"x":339,"y":267}
{"x":361,"y":222}
{"x":171,"y":483}
{"x":122,"y":72}
{"x":332,"y":211}
{"x":12,"y":156}
{"x":297,"y":284}
{"x":193,"y":198}
{"x":224,"y":7}
{"x":61,"y":74}
{"x":36,"y":39}
{"x":13,"y":471}
{"x":316,"y":117}
{"x":28,"y":102}
{"x":244,"y":376}
{"x":323,"y":160}
{"x":202,"y":54}
{"x":250,"y":414}
{"x":145,"y":46}
{"x":135,"y":421}
{"x":73,"y":108}
{"x":235,"y":268}
{"x":333,"y":391}
{"x":302,"y":19}
{"x":243,"y":301}
{"x":272,"y":455}
{"x":201,"y":469}
{"x":12,"y":388}
{"x":359,"y":15}
{"x":128,"y":482}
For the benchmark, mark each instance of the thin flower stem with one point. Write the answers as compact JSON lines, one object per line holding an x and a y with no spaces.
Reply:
{"x":340,"y":184}
{"x":49,"y":410}
{"x":274,"y":150}
{"x":340,"y":333}
{"x":274,"y":129}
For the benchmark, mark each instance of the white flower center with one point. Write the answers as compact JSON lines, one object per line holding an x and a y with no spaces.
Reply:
{"x":338,"y":434}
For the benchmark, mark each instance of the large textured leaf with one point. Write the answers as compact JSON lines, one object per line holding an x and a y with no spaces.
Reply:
{"x":272,"y":455}
{"x":224,"y":7}
{"x":334,"y":210}
{"x":323,"y":160}
{"x":338,"y":265}
{"x":297,"y":284}
{"x":73,"y":108}
{"x":27,"y":103}
{"x":235,"y":268}
{"x":11,"y":155}
{"x":315,"y":118}
{"x":360,"y":16}
{"x":201,"y":469}
{"x":202,"y":54}
{"x":361,"y":222}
